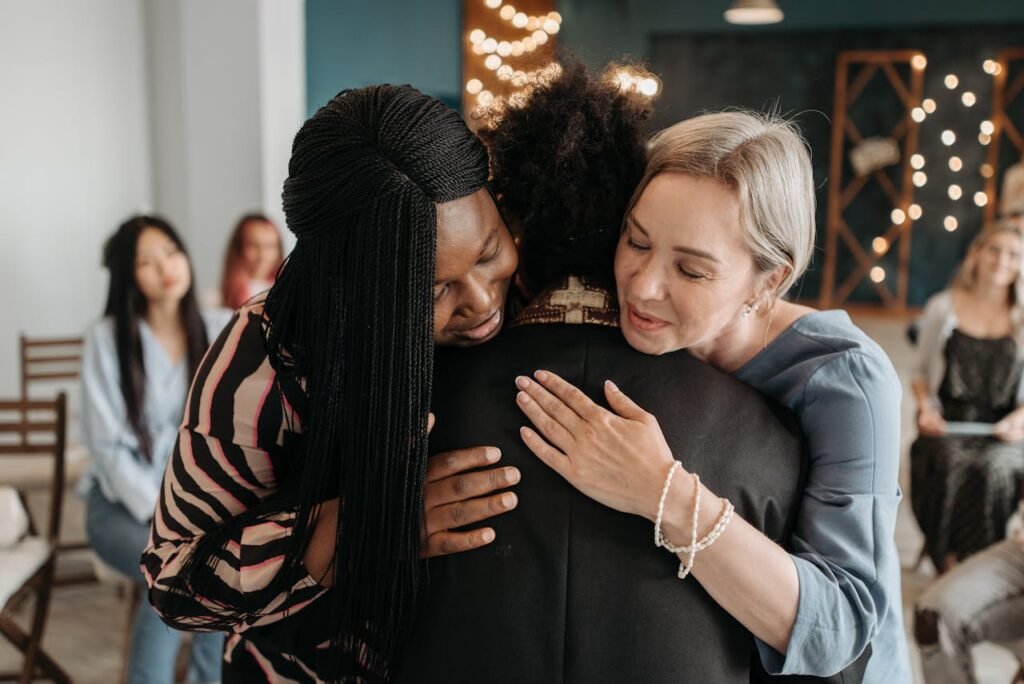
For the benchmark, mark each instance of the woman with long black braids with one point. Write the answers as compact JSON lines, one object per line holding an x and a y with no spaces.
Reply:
{"x":299,"y":497}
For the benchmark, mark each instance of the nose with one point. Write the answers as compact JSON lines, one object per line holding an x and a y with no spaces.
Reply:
{"x":647,"y":283}
{"x":478,"y":297}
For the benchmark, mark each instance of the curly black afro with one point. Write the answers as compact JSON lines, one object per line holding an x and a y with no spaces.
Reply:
{"x":564,"y":167}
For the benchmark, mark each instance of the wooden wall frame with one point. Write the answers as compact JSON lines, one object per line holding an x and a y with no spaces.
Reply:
{"x":1007,"y":87}
{"x":854,"y":71}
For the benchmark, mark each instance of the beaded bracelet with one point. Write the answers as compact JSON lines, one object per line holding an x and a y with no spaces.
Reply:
{"x":694,"y":546}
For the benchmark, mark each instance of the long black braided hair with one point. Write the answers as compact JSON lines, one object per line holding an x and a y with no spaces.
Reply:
{"x":350,"y":318}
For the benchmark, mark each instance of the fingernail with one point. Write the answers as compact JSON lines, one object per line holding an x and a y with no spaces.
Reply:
{"x":508,"y":500}
{"x":611,"y":385}
{"x":522,"y":382}
{"x":541,"y":375}
{"x":488,"y":535}
{"x":525,"y":431}
{"x":493,"y":454}
{"x":512,"y":475}
{"x":523,"y":398}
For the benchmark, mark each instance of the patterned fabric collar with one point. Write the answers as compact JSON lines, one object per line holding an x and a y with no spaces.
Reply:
{"x":573,"y":301}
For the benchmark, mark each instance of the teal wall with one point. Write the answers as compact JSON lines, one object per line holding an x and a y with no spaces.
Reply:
{"x":350,"y":44}
{"x":602,"y":30}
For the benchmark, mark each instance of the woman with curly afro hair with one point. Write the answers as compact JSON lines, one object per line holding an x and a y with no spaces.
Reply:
{"x":574,"y":591}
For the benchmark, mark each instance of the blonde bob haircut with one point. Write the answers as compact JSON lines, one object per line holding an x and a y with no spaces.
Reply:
{"x":766,"y":160}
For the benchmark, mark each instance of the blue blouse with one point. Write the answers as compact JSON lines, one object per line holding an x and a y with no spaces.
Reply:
{"x":118,"y":468}
{"x":846,"y":395}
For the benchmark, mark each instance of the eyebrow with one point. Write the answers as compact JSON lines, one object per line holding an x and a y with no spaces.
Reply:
{"x":693,"y":251}
{"x":487,"y":243}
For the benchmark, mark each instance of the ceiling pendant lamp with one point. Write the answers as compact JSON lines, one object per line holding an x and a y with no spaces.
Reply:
{"x":751,"y":12}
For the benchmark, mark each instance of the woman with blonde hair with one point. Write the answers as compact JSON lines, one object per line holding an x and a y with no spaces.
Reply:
{"x":964,"y":486}
{"x":719,"y":228}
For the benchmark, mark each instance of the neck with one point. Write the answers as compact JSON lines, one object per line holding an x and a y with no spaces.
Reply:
{"x":735,"y":345}
{"x":989,"y":294}
{"x":164,"y":316}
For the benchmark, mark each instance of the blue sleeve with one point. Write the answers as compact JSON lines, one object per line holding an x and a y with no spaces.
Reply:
{"x":106,"y":432}
{"x":843,"y":545}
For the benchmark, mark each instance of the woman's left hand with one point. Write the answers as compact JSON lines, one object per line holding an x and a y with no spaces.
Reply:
{"x":1011,"y":428}
{"x":618,"y":459}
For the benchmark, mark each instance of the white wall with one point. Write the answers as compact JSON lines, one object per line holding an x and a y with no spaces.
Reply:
{"x":74,"y":159}
{"x":110,"y":107}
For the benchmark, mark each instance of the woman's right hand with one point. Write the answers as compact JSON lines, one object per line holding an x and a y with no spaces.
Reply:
{"x":930,"y":423}
{"x":453,"y":497}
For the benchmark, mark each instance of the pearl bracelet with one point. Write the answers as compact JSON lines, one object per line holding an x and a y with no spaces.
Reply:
{"x":694,"y":546}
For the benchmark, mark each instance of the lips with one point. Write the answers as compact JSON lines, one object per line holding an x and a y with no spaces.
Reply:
{"x":644,"y":322}
{"x":483,"y":330}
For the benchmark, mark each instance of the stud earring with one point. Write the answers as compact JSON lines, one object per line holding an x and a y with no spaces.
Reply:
{"x":747,"y":310}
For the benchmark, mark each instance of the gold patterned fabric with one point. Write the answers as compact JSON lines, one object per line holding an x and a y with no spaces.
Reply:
{"x":573,"y":301}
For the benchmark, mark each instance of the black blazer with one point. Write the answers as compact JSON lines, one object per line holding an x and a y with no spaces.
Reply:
{"x":572,"y":591}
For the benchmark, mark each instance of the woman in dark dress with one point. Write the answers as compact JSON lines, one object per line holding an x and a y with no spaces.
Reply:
{"x":965,"y":487}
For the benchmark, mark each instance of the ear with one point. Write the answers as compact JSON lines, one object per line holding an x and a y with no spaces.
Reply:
{"x":770,"y":287}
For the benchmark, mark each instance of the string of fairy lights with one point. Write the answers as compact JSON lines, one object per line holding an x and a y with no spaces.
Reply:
{"x":499,"y":56}
{"x":954,"y":162}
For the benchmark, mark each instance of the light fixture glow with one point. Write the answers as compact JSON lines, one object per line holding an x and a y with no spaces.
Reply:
{"x":980,"y":198}
{"x":877,"y":274}
{"x":955,"y":164}
{"x":950,"y":223}
{"x":928,"y":104}
{"x":917,"y":114}
{"x":986,"y":171}
{"x":968,"y":98}
{"x":914,"y":211}
{"x":898,"y":217}
{"x":476,"y":36}
{"x":550,"y":26}
{"x":648,"y":86}
{"x":492,"y":62}
{"x":948,"y":137}
{"x":490,"y":46}
{"x":951,"y":81}
{"x":879,"y":245}
{"x":507,"y":12}
{"x":955,"y":192}
{"x":917,"y":161}
{"x":750,"y":12}
{"x":987,"y":127}
{"x":474,"y":86}
{"x":919,"y":62}
{"x":493,"y":4}
{"x":519,"y":20}
{"x":920,"y":178}
{"x":984,"y":138}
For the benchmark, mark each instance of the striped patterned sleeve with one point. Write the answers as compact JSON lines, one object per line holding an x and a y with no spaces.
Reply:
{"x":228,"y":458}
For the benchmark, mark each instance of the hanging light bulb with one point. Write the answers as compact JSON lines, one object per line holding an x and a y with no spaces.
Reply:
{"x":504,"y":48}
{"x":986,"y":171}
{"x":914,"y":211}
{"x":490,"y":46}
{"x":920,"y":178}
{"x":493,"y":4}
{"x":879,"y":245}
{"x":989,"y":66}
{"x":987,"y":127}
{"x":980,"y":198}
{"x":984,"y":138}
{"x":877,"y":274}
{"x":476,"y":36}
{"x":550,"y":26}
{"x":898,"y":217}
{"x":474,"y":86}
{"x":519,"y":20}
{"x":948,"y":137}
{"x":918,"y":62}
{"x":951,"y":81}
{"x":492,"y":62}
{"x":917,"y":114}
{"x":749,"y":12}
{"x":507,"y":12}
{"x":928,"y":105}
{"x":917,"y":161}
{"x":955,"y":164}
{"x":950,"y":223}
{"x":540,"y":37}
{"x":955,"y":192}
{"x":968,"y":98}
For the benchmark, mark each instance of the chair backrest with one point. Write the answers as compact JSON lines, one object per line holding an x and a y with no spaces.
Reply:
{"x":49,"y":359}
{"x":50,"y":365}
{"x":30,"y":428}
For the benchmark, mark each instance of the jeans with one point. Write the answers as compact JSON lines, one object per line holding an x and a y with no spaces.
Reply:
{"x":119,"y":539}
{"x":981,"y":599}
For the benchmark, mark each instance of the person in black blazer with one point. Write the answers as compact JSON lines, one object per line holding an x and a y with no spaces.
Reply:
{"x":572,"y":591}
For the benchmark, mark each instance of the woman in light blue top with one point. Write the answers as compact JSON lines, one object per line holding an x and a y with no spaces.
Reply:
{"x":136,"y":369}
{"x":720,"y":227}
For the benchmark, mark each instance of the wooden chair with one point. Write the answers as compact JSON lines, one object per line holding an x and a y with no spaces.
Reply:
{"x":49,"y":365}
{"x":32,"y":429}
